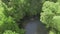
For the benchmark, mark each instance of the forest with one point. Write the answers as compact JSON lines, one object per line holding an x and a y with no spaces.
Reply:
{"x":13,"y":13}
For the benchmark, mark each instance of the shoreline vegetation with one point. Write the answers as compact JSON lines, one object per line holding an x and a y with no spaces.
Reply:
{"x":14,"y":15}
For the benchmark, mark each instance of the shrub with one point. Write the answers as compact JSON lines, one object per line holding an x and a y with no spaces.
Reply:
{"x":51,"y":15}
{"x":14,"y":9}
{"x":10,"y":32}
{"x":6,"y":21}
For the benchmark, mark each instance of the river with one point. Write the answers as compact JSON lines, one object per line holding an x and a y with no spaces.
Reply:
{"x":34,"y":26}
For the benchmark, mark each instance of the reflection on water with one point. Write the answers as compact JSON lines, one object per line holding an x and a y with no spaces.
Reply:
{"x":35,"y":27}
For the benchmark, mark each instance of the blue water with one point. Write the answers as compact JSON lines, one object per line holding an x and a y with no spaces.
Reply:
{"x":31,"y":28}
{"x":35,"y":27}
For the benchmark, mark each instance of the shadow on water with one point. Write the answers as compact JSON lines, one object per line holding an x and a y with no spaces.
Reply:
{"x":34,"y":26}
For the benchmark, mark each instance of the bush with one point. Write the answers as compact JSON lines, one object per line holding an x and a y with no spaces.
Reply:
{"x":14,"y":9}
{"x":6,"y":21}
{"x":51,"y":15}
{"x":52,"y":32}
{"x":10,"y":32}
{"x":8,"y":24}
{"x":32,"y":7}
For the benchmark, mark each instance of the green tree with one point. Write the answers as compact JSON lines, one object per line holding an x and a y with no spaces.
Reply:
{"x":6,"y":21}
{"x":9,"y":32}
{"x":51,"y":15}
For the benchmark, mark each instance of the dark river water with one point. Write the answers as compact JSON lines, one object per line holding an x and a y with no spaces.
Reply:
{"x":34,"y":26}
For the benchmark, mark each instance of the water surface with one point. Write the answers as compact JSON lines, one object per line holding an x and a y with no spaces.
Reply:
{"x":35,"y":27}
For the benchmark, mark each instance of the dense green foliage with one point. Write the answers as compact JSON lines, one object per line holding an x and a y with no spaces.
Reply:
{"x":20,"y":8}
{"x":32,"y":7}
{"x":6,"y":21}
{"x":10,"y":32}
{"x":11,"y":11}
{"x":14,"y":9}
{"x":51,"y":16}
{"x":52,"y":32}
